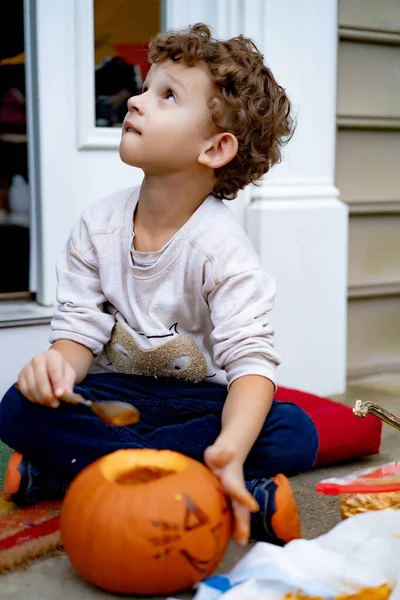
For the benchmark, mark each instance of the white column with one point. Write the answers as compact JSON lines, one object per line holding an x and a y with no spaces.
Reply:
{"x":226,"y":19}
{"x":295,"y":219}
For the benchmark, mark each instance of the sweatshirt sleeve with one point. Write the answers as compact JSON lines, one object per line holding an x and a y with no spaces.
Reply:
{"x":80,"y":316}
{"x":243,"y":338}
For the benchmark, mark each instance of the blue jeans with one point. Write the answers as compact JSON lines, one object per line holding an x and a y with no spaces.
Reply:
{"x":175,"y":415}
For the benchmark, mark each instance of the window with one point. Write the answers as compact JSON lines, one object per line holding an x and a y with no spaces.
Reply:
{"x":14,"y":180}
{"x":122,"y":30}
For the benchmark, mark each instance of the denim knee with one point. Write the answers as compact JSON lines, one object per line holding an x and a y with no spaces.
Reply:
{"x":11,"y":410}
{"x":304,"y":439}
{"x":288,"y":443}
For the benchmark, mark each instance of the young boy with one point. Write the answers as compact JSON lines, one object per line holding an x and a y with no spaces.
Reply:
{"x":163,"y":302}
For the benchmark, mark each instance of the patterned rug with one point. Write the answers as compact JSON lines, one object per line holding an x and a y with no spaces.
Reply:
{"x":27,"y":533}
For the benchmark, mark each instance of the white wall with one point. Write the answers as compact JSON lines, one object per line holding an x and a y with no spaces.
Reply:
{"x":296,"y":220}
{"x":19,"y":345}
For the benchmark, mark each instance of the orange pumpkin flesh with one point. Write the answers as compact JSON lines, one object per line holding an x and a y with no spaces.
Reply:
{"x":145,"y":522}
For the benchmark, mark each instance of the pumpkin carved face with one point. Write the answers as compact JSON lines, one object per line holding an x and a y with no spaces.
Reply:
{"x":145,"y":522}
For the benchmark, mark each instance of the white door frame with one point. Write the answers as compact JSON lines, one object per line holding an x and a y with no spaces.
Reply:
{"x":31,"y":78}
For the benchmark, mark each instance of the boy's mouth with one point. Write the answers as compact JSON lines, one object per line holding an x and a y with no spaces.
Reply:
{"x":128,"y":127}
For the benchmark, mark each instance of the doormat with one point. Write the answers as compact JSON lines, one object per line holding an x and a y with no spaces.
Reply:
{"x":28,"y":532}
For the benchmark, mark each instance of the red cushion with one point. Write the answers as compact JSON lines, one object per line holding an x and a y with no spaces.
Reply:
{"x":342,"y":435}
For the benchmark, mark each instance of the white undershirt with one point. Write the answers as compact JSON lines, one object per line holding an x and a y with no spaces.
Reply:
{"x":144,"y":260}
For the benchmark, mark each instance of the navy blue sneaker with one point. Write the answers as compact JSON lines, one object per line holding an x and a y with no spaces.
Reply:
{"x":278,"y":520}
{"x":25,"y":484}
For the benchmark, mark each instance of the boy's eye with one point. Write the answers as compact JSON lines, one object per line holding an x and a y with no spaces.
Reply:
{"x":169,"y":95}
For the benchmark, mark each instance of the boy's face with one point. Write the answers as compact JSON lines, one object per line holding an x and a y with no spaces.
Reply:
{"x":167,"y":124}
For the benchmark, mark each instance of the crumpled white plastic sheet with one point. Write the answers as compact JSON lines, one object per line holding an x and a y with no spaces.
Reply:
{"x":362,"y":551}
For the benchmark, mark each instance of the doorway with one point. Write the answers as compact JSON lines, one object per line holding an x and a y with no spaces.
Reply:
{"x":14,"y":177}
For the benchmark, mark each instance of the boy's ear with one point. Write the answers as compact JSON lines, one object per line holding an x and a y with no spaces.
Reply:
{"x":218,"y":150}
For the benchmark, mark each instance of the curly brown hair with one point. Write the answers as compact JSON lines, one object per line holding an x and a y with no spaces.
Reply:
{"x":247,"y":102}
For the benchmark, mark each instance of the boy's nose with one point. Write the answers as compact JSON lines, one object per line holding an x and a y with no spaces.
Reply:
{"x":135,"y":104}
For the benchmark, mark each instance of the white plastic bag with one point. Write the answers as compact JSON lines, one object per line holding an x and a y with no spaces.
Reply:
{"x":363,"y":551}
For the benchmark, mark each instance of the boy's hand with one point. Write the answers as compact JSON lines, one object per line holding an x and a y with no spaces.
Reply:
{"x":46,"y":378}
{"x":230,"y":471}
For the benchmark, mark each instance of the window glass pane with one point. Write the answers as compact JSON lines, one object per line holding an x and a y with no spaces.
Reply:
{"x":122,"y":30}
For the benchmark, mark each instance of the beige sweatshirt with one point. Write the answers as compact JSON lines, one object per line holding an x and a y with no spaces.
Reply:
{"x":200,"y":312}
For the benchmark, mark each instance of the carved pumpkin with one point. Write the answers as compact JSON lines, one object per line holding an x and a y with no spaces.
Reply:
{"x":145,"y":522}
